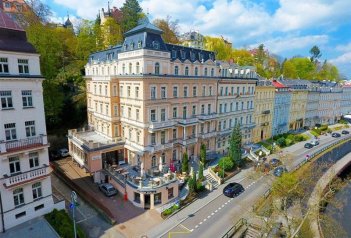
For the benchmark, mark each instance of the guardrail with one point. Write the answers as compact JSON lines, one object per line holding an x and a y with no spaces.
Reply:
{"x":235,"y":228}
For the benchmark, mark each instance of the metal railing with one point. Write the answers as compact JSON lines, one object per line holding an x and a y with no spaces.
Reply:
{"x":234,"y":229}
{"x":24,"y":143}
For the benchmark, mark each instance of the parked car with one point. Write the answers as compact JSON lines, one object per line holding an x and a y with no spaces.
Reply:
{"x":314,"y":142}
{"x":63,"y":152}
{"x":308,"y":146}
{"x":54,"y":155}
{"x":233,"y":189}
{"x":336,"y":134}
{"x":279,"y":171}
{"x":275,"y":162}
{"x":345,"y":132}
{"x":107,"y":189}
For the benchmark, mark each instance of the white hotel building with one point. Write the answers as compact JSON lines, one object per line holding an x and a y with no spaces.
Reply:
{"x":25,"y":190}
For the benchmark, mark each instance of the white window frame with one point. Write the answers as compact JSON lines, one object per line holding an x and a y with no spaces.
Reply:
{"x":33,"y":160}
{"x":6,"y":99}
{"x":36,"y":191}
{"x":23,"y":66}
{"x":18,"y":197}
{"x":4,"y":65}
{"x":30,"y":128}
{"x":10,"y":131}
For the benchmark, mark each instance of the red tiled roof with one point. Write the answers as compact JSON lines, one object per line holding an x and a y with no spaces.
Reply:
{"x":7,"y":22}
{"x":278,"y":84}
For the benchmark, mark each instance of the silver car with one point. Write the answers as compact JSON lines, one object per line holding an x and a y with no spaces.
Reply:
{"x":107,"y":189}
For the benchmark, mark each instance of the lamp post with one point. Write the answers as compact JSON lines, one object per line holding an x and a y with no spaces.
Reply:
{"x":73,"y":205}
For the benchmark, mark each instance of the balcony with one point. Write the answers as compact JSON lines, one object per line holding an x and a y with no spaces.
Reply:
{"x":266,"y":112}
{"x":265,"y":124}
{"x":26,"y":176}
{"x":161,"y":125}
{"x":185,"y":142}
{"x":204,"y":117}
{"x":208,"y":135}
{"x":249,"y":125}
{"x":187,"y":121}
{"x":23,"y":144}
{"x":160,"y":147}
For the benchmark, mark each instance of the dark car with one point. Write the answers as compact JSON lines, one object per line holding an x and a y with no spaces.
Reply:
{"x":275,"y":162}
{"x":54,"y":155}
{"x":336,"y":134}
{"x":308,"y":146}
{"x":345,"y":132}
{"x":279,"y":171}
{"x":107,"y":189}
{"x":233,"y":189}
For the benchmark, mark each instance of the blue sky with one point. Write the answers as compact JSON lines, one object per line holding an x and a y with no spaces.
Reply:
{"x":285,"y":27}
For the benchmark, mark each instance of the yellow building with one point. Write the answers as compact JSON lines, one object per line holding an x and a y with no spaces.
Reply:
{"x":264,"y":108}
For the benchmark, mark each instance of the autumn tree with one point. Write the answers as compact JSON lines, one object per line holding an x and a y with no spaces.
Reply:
{"x":112,"y":32}
{"x":131,"y":13}
{"x":170,"y":29}
{"x":217,"y":44}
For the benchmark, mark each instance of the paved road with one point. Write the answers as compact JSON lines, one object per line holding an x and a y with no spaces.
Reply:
{"x":217,"y":214}
{"x":88,"y":218}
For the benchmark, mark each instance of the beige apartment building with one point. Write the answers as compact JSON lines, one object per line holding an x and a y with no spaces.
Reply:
{"x":264,"y":109}
{"x":148,"y":103}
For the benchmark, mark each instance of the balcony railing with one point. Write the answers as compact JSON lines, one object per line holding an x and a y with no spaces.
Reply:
{"x":160,"y":147}
{"x":208,"y":116}
{"x":208,"y":135}
{"x":266,"y":112}
{"x":26,"y":176}
{"x":22,"y":144}
{"x":187,"y":120}
{"x":160,"y":125}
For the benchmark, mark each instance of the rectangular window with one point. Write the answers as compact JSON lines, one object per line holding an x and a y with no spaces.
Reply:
{"x":193,"y":130}
{"x":174,"y":133}
{"x":14,"y":164}
{"x":221,"y":92}
{"x":175,"y":112}
{"x":33,"y":159}
{"x":27,"y":98}
{"x":153,"y":115}
{"x":219,"y":126}
{"x":226,"y":91}
{"x":137,"y":92}
{"x":121,"y":91}
{"x":153,"y":139}
{"x":36,"y":189}
{"x":163,"y":114}
{"x":129,"y":112}
{"x":185,"y":91}
{"x":194,"y":110}
{"x":163,"y":92}
{"x":203,"y":91}
{"x":6,"y":99}
{"x":210,"y":91}
{"x":163,"y":137}
{"x":137,"y":112}
{"x":174,"y":155}
{"x":115,"y":110}
{"x":202,"y":128}
{"x":170,"y":193}
{"x":184,"y":112}
{"x":10,"y":131}
{"x":153,"y":92}
{"x":39,"y":207}
{"x":209,"y":109}
{"x":19,"y":215}
{"x":194,"y":91}
{"x":202,"y":109}
{"x":138,"y":137}
{"x":106,"y":109}
{"x":18,"y":197}
{"x":4,"y":66}
{"x":175,"y":92}
{"x":220,"y":108}
{"x":114,"y":90}
{"x":106,"y":90}
{"x":122,"y":111}
{"x":128,"y":91}
{"x":23,"y":67}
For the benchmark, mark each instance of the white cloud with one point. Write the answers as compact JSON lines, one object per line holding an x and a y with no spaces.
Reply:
{"x":344,"y":58}
{"x":346,"y":47}
{"x":290,"y":43}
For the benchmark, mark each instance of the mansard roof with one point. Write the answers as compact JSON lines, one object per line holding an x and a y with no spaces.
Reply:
{"x":183,"y":53}
{"x":106,"y":55}
{"x":144,"y":25}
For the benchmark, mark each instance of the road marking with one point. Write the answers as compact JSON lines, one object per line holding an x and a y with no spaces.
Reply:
{"x":208,"y":217}
{"x":223,"y":205}
{"x":216,"y":210}
{"x":196,"y":226}
{"x":205,"y":219}
{"x":219,"y":208}
{"x":200,"y":223}
{"x":184,"y":227}
{"x":191,"y":230}
{"x":212,"y":213}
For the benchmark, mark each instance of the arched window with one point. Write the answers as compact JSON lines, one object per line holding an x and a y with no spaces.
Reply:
{"x":130,"y":68}
{"x":196,"y":71}
{"x":205,"y":73}
{"x":153,"y":161}
{"x":123,"y":68}
{"x":137,"y":68}
{"x":157,"y":68}
{"x":176,"y":70}
{"x":186,"y":70}
{"x":212,"y":72}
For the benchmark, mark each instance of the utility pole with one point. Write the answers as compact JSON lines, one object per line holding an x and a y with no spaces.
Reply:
{"x":73,"y":205}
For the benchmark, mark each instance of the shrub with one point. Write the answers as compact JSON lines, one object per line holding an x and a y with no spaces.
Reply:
{"x":226,"y":163}
{"x":170,"y":210}
{"x":185,"y":163}
{"x":291,"y":137}
{"x":329,"y":130}
{"x":289,"y":142}
{"x":281,"y":142}
{"x":201,"y":172}
{"x":199,"y":187}
{"x":323,"y":127}
{"x":63,"y":224}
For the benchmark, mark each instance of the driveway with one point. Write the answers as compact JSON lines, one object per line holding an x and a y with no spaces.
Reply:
{"x":130,"y":220}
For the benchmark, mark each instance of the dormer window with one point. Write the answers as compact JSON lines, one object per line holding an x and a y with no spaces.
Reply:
{"x":176,"y":70}
{"x":174,"y":54}
{"x":182,"y":54}
{"x":192,"y":56}
{"x":140,"y":44}
{"x":125,"y":46}
{"x":196,"y":71}
{"x":132,"y":45}
{"x":200,"y":56}
{"x":156,"y":45}
{"x":205,"y":72}
{"x":186,"y":71}
{"x":212,"y":72}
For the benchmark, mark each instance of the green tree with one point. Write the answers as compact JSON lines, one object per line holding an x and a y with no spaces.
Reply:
{"x":289,"y":70}
{"x":216,"y":44}
{"x":235,"y":146}
{"x":242,"y":57}
{"x":315,"y":54}
{"x":201,"y":172}
{"x":170,"y":29}
{"x":131,"y":13}
{"x":112,"y":32}
{"x":185,"y":163}
{"x":203,"y":153}
{"x":226,"y":164}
